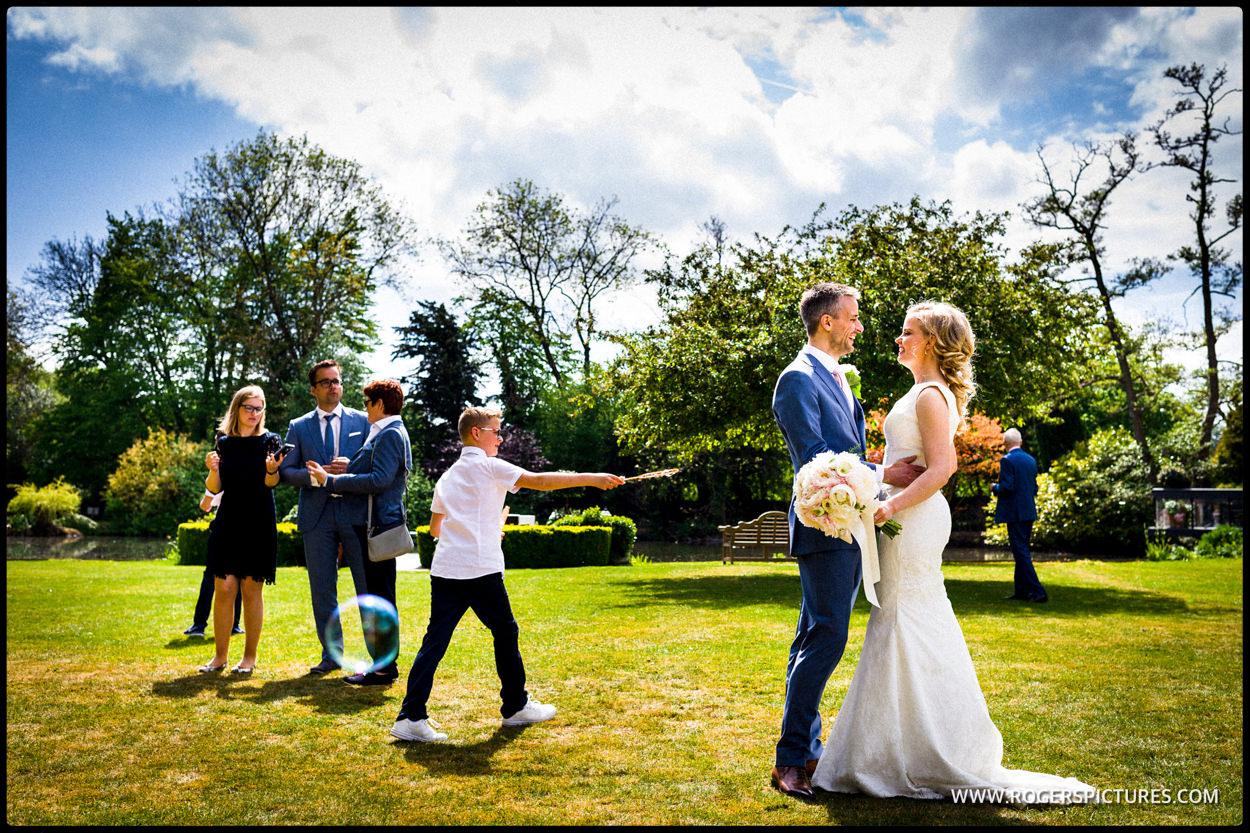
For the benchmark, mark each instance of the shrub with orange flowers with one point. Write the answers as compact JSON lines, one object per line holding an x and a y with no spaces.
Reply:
{"x":978,"y":445}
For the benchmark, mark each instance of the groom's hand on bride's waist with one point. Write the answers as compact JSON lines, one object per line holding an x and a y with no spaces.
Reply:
{"x":902,"y":472}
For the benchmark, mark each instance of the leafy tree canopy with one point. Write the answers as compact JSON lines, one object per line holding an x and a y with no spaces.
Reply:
{"x":703,"y":379}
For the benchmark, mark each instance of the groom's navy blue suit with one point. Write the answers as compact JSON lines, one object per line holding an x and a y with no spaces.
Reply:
{"x":326,"y":520}
{"x":814,"y":416}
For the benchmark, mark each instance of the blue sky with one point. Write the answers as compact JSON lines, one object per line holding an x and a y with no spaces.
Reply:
{"x":754,"y":115}
{"x":81,"y":145}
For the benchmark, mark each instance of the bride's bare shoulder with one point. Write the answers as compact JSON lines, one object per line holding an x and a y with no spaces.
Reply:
{"x":932,"y":401}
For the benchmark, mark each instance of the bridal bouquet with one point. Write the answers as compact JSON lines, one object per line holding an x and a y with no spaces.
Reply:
{"x":835,"y":493}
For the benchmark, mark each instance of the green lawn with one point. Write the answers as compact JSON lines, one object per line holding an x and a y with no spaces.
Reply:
{"x":668,"y":678}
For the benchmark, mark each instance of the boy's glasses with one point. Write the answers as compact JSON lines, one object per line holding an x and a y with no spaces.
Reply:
{"x":498,"y":431}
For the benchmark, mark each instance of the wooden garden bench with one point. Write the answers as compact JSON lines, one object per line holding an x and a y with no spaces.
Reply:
{"x":763,"y":539}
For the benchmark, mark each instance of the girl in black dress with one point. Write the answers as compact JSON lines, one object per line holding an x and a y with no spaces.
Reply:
{"x":243,"y":538}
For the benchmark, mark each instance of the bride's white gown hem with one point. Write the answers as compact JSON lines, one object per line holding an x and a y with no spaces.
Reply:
{"x":914,"y":722}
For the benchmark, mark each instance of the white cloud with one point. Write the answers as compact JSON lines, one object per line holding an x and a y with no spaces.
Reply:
{"x":874,"y":97}
{"x":682,"y":113}
{"x":990,"y":176}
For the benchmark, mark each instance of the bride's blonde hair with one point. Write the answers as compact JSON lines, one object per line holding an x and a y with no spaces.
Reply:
{"x":954,"y":344}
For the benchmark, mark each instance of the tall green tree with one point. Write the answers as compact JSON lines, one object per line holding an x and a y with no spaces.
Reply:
{"x":1228,"y":462}
{"x":1031,"y":331}
{"x":265,"y":261}
{"x":300,"y":238}
{"x":542,"y":268}
{"x":1079,"y":209}
{"x":444,"y":382}
{"x":1194,"y":151}
{"x":123,"y":364}
{"x":137,"y":323}
{"x":28,"y":387}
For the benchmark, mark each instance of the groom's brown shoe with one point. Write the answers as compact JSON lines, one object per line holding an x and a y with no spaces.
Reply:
{"x":792,"y":781}
{"x":810,"y":766}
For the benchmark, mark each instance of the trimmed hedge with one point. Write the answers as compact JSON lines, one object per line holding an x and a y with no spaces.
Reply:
{"x":524,"y":547}
{"x":193,"y":544}
{"x":624,"y":531}
{"x":535,"y":547}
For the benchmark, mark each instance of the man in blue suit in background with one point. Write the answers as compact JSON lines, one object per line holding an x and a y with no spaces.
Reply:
{"x":817,"y":411}
{"x":1017,"y":507}
{"x":330,"y":435}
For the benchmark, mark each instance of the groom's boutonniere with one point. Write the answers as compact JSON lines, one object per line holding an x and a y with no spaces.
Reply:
{"x":852,"y":378}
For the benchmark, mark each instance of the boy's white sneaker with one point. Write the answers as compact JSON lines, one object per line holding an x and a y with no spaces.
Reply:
{"x":534,"y":712}
{"x":416,"y":730}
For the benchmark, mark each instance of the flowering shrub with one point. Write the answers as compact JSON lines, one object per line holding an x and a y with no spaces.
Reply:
{"x":978,"y":445}
{"x":157,"y":484}
{"x":1096,"y":497}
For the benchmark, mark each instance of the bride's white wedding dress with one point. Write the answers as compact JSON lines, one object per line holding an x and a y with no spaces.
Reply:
{"x":914,"y":722}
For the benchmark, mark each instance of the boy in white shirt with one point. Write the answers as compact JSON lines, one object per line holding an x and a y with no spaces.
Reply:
{"x":467,"y":571}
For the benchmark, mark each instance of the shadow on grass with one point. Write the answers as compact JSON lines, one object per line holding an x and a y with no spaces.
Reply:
{"x":180,"y":642}
{"x":325,"y":695}
{"x":967,"y":596}
{"x":459,"y":759}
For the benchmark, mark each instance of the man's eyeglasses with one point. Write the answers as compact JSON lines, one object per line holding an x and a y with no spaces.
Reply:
{"x":329,"y":383}
{"x":498,"y":431}
{"x":253,"y":409}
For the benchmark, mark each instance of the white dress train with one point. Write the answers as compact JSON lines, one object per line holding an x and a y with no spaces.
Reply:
{"x":914,"y":722}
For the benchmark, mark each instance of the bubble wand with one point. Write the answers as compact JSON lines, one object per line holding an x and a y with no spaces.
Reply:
{"x":653,"y":474}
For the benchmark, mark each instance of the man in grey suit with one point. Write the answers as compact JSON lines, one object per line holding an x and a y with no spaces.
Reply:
{"x":1017,"y":507}
{"x":330,"y":435}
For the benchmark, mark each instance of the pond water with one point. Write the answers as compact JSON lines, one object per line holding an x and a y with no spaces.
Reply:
{"x":98,"y":548}
{"x":108,"y":548}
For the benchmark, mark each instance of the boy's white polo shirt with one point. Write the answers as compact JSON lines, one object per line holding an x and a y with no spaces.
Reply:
{"x":471,"y":496}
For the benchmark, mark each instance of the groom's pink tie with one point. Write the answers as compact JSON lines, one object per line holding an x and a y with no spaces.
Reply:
{"x":841,"y":378}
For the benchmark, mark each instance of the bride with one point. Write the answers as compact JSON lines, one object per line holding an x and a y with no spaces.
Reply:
{"x":914,"y":722}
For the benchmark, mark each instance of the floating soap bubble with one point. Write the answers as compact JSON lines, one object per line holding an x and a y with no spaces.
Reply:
{"x":369,"y":628}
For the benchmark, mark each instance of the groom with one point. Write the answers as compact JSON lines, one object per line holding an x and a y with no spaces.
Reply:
{"x":817,"y":412}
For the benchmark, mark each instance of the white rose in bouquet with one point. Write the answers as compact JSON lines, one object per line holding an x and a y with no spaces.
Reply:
{"x":832,"y":490}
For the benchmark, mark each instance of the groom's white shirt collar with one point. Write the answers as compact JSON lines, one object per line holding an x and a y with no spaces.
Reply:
{"x":830,"y":363}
